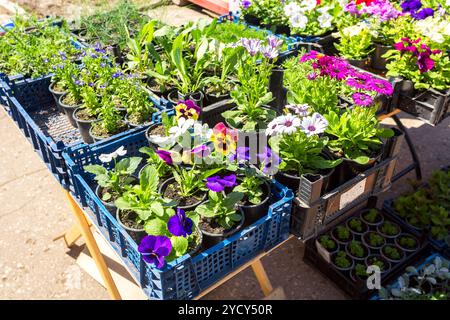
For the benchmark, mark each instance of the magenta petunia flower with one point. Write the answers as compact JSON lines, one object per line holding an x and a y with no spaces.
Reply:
{"x":362,"y":99}
{"x":165,"y":155}
{"x":218,"y":184}
{"x":154,"y":249}
{"x":424,"y":62}
{"x":179,"y":225}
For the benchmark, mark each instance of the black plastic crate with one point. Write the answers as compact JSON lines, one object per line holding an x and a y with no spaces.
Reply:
{"x":359,"y":289}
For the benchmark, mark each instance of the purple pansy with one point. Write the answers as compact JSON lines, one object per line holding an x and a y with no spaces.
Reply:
{"x":154,"y":249}
{"x":190,"y":104}
{"x":409,"y":6}
{"x":201,"y":151}
{"x":314,"y":124}
{"x":218,"y":184}
{"x":241,"y":154}
{"x":245,"y":4}
{"x":362,"y":99}
{"x":179,"y":225}
{"x":165,"y":156}
{"x":423,"y":13}
{"x":269,"y":159}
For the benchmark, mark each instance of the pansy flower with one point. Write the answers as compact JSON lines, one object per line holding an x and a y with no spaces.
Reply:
{"x":218,"y":184}
{"x":154,"y":249}
{"x":269,"y":160}
{"x":241,"y":154}
{"x":179,"y":225}
{"x":187,"y":109}
{"x":224,"y":139}
{"x":165,"y":155}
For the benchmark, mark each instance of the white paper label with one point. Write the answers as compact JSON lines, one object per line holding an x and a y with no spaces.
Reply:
{"x":352,"y":194}
{"x":323,"y":252}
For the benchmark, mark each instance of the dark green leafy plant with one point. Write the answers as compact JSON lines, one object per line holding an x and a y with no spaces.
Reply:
{"x":221,"y":209}
{"x":360,"y":270}
{"x":389,"y":228}
{"x":392,"y":252}
{"x":372,"y":216}
{"x":356,"y":249}
{"x":375,"y":239}
{"x":407,"y":242}
{"x":341,"y":260}
{"x":327,"y":242}
{"x":342,"y":233}
{"x":356,"y":225}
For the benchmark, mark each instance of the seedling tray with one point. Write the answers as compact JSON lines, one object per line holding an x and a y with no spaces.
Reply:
{"x":49,"y":132}
{"x":187,"y":276}
{"x":358,"y":289}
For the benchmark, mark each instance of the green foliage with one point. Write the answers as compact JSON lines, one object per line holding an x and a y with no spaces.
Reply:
{"x":342,"y":233}
{"x":361,"y":270}
{"x":341,"y":260}
{"x":407,"y":242}
{"x":356,"y":134}
{"x":356,"y":225}
{"x":162,"y":168}
{"x":222,"y":209}
{"x":355,"y":42}
{"x":372,"y":216}
{"x":327,"y":242}
{"x":375,"y":240}
{"x":389,"y":228}
{"x":252,"y":187}
{"x":392,"y":252}
{"x":356,"y":249}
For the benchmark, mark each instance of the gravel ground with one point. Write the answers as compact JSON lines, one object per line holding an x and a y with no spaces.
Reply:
{"x":34,"y":211}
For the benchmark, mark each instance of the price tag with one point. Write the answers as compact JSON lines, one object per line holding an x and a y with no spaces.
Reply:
{"x":352,"y":194}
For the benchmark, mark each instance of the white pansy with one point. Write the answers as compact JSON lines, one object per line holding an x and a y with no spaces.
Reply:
{"x":202,"y":130}
{"x":107,"y":157}
{"x":309,"y":4}
{"x":299,"y":21}
{"x":162,"y":141}
{"x":323,"y":9}
{"x":325,"y":20}
{"x":292,"y":9}
{"x":182,"y":126}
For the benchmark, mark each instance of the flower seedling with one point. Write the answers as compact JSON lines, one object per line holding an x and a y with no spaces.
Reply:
{"x":389,"y":228}
{"x":356,"y":225}
{"x":327,"y":243}
{"x":356,"y":249}
{"x":355,"y":42}
{"x":372,"y":216}
{"x":375,"y":240}
{"x":341,"y":260}
{"x":407,"y":242}
{"x":392,"y":252}
{"x":253,"y":188}
{"x":378,"y":262}
{"x":342,"y":233}
{"x":361,"y":271}
{"x":114,"y":181}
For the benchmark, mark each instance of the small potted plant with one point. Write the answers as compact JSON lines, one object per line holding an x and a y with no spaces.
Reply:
{"x":72,"y":99}
{"x":389,"y":229}
{"x":357,"y":226}
{"x":356,"y":250}
{"x":355,"y":44}
{"x":299,"y":143}
{"x":111,"y":183}
{"x":88,"y":112}
{"x":407,"y":242}
{"x":392,"y":253}
{"x":110,"y":121}
{"x":379,"y":261}
{"x":220,"y":217}
{"x":164,"y":171}
{"x":372,"y":217}
{"x":373,"y":240}
{"x":342,"y":235}
{"x":328,"y":243}
{"x":342,"y":261}
{"x":359,"y":273}
{"x":140,"y":209}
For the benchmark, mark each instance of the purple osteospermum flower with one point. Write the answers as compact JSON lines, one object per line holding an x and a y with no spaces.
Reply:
{"x":314,"y":124}
{"x":154,"y":249}
{"x":359,"y":81}
{"x":362,"y":99}
{"x":245,"y":4}
{"x":381,"y":86}
{"x":309,"y":56}
{"x":269,"y":52}
{"x":312,"y":76}
{"x":274,"y":42}
{"x":269,"y":159}
{"x":165,"y":156}
{"x":301,"y":110}
{"x":251,"y":45}
{"x":179,"y":225}
{"x":218,"y":184}
{"x":242,"y":154}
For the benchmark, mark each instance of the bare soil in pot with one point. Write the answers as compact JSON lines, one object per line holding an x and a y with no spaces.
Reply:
{"x":127,"y":219}
{"x":68,"y":103}
{"x":156,"y":129}
{"x":136,"y":120}
{"x":98,"y":133}
{"x":213,"y":233}
{"x":158,"y":89}
{"x":215,"y":94}
{"x":169,"y":189}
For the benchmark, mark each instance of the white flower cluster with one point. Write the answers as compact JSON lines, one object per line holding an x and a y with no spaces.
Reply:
{"x":436,"y":28}
{"x":298,"y":13}
{"x":108,"y":157}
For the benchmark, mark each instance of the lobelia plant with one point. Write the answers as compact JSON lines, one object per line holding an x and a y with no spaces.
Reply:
{"x":110,"y":122}
{"x":414,"y":60}
{"x":115,"y":180}
{"x":252,"y":93}
{"x":356,"y":134}
{"x":297,"y":139}
{"x":355,"y":42}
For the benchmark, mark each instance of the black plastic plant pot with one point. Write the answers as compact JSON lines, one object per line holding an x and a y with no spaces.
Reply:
{"x":393,"y":236}
{"x":135,"y":233}
{"x":68,"y":110}
{"x":373,"y":248}
{"x":349,"y":168}
{"x":251,"y":19}
{"x":84,"y":126}
{"x":171,"y":180}
{"x":355,"y":258}
{"x":211,"y":239}
{"x":290,"y":181}
{"x":404,"y":247}
{"x":212,"y":98}
{"x":56,"y":95}
{"x":370,"y":262}
{"x":391,"y":260}
{"x":378,"y":62}
{"x":110,"y":206}
{"x":364,"y":229}
{"x":197,"y":97}
{"x":406,"y":88}
{"x":340,"y":241}
{"x":254,"y":212}
{"x":342,"y":269}
{"x":276,"y":87}
{"x":359,"y":63}
{"x":147,"y":134}
{"x":378,"y":221}
{"x":282,"y":29}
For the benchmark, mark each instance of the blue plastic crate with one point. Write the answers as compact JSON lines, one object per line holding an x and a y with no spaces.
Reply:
{"x":187,"y":276}
{"x":49,"y":144}
{"x":389,"y":207}
{"x":419,"y":267}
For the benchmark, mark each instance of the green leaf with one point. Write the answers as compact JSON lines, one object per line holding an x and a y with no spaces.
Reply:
{"x":361,"y":159}
{"x":233,"y":198}
{"x":157,"y":208}
{"x":106,"y":196}
{"x":122,"y":204}
{"x":180,"y":245}
{"x":149,"y":178}
{"x":156,"y":227}
{"x":95,"y":169}
{"x":133,"y":165}
{"x":235,"y":217}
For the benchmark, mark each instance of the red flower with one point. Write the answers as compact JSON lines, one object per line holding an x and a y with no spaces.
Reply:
{"x":367,"y":2}
{"x":318,"y":2}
